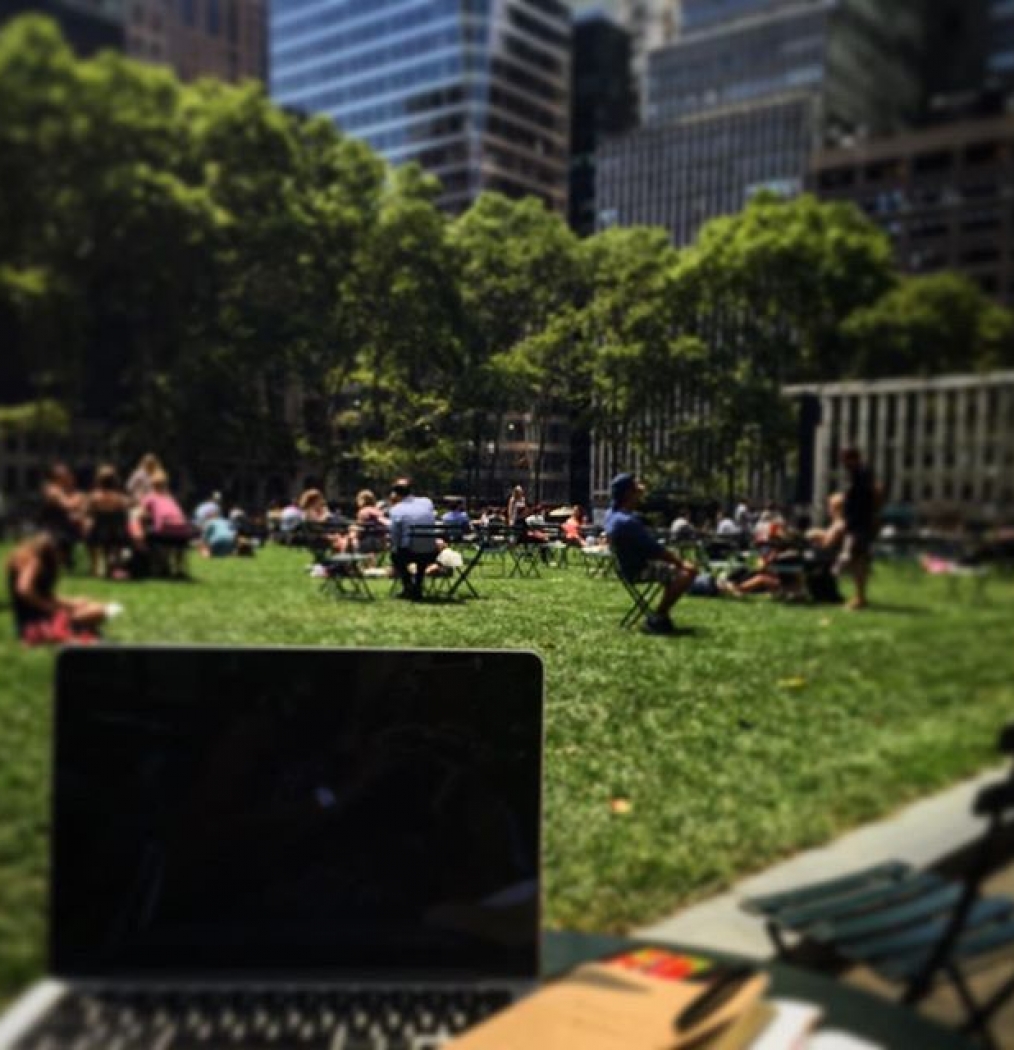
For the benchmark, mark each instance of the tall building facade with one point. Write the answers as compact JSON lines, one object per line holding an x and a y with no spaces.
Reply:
{"x":603,"y":104}
{"x":747,"y":93}
{"x":650,"y":24}
{"x":476,"y":91}
{"x":225,"y":39}
{"x":1000,"y":46}
{"x":942,"y":194}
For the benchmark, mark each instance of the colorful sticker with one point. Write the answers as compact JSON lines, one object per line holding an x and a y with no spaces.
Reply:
{"x":666,"y":966}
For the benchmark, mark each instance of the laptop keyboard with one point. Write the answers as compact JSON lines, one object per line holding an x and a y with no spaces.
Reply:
{"x":158,"y":1019}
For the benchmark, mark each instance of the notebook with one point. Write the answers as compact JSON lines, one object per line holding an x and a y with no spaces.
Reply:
{"x":288,"y":847}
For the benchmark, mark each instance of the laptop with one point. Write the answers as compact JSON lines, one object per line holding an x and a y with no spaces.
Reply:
{"x":288,"y":847}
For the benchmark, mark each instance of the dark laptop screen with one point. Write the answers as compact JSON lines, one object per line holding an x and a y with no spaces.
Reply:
{"x":296,"y":810}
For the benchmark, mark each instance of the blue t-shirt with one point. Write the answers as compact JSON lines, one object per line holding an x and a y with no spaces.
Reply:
{"x":220,"y":536}
{"x":632,"y":542}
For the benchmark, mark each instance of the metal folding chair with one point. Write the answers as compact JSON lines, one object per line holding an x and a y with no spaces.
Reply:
{"x":911,"y":927}
{"x":642,"y":594}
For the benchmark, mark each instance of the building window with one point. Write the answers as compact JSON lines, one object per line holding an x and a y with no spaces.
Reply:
{"x":189,"y":12}
{"x":214,"y":17}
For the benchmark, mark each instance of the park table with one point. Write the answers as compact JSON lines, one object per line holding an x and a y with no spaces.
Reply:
{"x":886,"y":1024}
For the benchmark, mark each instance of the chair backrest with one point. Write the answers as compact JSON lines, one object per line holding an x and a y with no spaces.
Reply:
{"x":422,"y":539}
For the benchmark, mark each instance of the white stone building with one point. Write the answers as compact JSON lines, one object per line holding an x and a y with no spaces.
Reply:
{"x":942,"y":445}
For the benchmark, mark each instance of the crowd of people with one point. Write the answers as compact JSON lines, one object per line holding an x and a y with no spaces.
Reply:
{"x":129,"y":530}
{"x":139,"y":528}
{"x":792,"y":560}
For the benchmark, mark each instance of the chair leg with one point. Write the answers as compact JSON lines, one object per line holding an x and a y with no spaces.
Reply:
{"x":775,"y":934}
{"x":981,"y":1014}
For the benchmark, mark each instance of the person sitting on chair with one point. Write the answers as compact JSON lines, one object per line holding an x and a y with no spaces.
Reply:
{"x":641,"y":556}
{"x":408,"y":511}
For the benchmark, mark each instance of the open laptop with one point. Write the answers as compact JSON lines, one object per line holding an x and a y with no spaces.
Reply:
{"x":288,"y":847}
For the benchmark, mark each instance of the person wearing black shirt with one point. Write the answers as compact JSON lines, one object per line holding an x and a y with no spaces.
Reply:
{"x":862,"y":504}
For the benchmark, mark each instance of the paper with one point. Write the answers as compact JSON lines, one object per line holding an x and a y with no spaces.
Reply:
{"x":602,"y":1007}
{"x":791,"y":1028}
{"x":832,"y":1040}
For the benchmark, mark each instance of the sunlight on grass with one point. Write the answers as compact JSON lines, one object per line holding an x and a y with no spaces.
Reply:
{"x":763,"y":729}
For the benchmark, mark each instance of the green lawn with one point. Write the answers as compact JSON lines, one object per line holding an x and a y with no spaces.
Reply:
{"x":763,"y":729}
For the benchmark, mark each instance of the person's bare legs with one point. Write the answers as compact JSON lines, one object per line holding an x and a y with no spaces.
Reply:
{"x":674,"y":590}
{"x":861,"y":574}
{"x":86,"y":614}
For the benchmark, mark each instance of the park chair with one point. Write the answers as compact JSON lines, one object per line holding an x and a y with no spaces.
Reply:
{"x":911,"y":927}
{"x":343,"y":576}
{"x":642,"y":595}
{"x":525,"y":554}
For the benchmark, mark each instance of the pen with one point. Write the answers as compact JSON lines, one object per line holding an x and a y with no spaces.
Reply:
{"x":721,"y":989}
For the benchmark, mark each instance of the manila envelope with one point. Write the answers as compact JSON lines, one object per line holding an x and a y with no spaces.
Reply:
{"x":602,"y":1008}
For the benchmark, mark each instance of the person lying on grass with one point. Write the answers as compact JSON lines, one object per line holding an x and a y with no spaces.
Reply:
{"x":40,"y":615}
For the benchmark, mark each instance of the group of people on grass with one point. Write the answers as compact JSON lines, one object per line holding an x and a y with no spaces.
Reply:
{"x":846,"y":543}
{"x":119,"y":523}
{"x":129,"y":530}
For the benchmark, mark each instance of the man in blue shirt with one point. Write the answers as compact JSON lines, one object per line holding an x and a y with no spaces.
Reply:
{"x":641,"y":556}
{"x":406,"y":513}
{"x":456,"y":520}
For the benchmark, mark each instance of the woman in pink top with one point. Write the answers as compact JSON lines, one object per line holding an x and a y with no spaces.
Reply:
{"x":168,"y":529}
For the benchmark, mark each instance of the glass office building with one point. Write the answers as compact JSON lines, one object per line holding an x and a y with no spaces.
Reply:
{"x":745,"y":96}
{"x":476,"y":91}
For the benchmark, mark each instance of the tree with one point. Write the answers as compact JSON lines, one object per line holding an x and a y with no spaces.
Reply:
{"x":519,"y":270}
{"x":929,"y":325}
{"x":776,"y":281}
{"x":401,"y":418}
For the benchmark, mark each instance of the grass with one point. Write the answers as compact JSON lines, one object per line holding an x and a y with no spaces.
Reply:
{"x":762,"y":730}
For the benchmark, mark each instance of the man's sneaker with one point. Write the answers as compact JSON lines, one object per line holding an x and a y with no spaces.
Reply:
{"x":655,"y":624}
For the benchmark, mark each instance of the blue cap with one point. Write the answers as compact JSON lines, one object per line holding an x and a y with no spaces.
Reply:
{"x":620,"y":486}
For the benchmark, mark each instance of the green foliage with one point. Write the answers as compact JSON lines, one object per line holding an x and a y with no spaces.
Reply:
{"x":36,"y":417}
{"x":231,"y":283}
{"x":929,"y":325}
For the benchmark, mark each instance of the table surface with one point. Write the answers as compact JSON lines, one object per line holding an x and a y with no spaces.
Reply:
{"x":873,"y":1018}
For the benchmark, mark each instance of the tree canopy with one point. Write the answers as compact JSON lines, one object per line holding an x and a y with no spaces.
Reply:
{"x":233,"y":283}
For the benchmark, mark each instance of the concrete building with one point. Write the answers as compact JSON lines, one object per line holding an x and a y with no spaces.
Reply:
{"x":89,"y":26}
{"x":944,"y":445}
{"x":945,"y":195}
{"x":477,"y":93}
{"x":224,"y":39}
{"x":746,"y":94}
{"x":604,"y":104}
{"x":681,"y":174}
{"x":216,"y":38}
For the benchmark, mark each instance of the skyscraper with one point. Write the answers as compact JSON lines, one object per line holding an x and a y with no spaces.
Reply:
{"x":216,"y":38}
{"x":747,"y":93}
{"x":650,"y":23}
{"x":604,"y":103}
{"x":477,"y":91}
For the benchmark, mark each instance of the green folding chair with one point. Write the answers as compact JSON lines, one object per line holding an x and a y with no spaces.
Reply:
{"x":914,"y":928}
